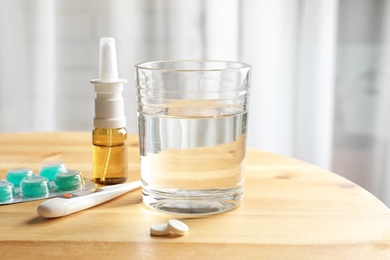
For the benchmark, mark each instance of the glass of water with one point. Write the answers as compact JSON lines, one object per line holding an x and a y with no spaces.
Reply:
{"x":192,"y":122}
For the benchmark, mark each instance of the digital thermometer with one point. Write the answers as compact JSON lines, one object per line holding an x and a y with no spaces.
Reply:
{"x":71,"y":202}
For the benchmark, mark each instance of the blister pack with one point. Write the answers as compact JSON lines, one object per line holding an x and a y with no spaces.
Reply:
{"x":54,"y":179}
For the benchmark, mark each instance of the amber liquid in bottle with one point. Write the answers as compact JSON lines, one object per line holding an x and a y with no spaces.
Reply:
{"x":109,"y":155}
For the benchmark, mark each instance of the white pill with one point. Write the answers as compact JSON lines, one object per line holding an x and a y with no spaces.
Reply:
{"x":159,"y":229}
{"x":177,"y":227}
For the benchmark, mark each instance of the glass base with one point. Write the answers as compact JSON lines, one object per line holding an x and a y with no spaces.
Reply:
{"x":193,"y":202}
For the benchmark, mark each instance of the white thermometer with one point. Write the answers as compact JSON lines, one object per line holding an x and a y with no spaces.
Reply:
{"x":71,"y":202}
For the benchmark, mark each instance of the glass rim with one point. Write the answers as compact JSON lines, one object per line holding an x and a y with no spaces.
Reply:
{"x":144,"y":65}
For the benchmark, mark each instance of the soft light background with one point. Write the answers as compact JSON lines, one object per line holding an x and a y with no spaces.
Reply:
{"x":320,"y":84}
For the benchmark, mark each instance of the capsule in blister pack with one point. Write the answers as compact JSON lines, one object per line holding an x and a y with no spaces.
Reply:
{"x":7,"y":191}
{"x":34,"y":187}
{"x":68,"y":180}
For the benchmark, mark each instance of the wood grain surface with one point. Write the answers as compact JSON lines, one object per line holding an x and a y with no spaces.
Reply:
{"x":291,"y":210}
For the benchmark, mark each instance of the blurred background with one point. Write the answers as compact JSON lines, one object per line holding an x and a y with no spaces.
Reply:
{"x":320,"y":82}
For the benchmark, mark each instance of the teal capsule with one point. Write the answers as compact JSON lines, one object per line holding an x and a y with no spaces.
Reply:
{"x":35,"y":187}
{"x":69,"y":180}
{"x":7,"y":191}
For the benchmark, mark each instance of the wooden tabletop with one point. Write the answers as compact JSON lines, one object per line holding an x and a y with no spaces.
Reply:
{"x":291,"y":210}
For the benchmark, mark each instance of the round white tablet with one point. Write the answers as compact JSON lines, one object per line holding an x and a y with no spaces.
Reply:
{"x":159,"y":229}
{"x":177,"y":227}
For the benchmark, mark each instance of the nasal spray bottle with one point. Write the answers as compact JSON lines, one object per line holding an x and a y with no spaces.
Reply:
{"x":109,"y":136}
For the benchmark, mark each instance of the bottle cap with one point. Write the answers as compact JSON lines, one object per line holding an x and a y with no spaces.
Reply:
{"x":109,"y":111}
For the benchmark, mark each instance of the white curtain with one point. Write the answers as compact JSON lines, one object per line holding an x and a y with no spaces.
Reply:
{"x":299,"y":103}
{"x":361,"y":147}
{"x":380,"y":155}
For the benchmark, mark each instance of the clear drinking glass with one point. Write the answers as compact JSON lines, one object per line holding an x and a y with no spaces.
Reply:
{"x":192,"y":120}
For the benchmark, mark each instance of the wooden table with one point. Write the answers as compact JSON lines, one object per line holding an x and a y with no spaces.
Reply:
{"x":291,"y":210}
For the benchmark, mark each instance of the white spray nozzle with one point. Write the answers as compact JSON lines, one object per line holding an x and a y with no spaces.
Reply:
{"x":109,"y":112}
{"x":108,"y":70}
